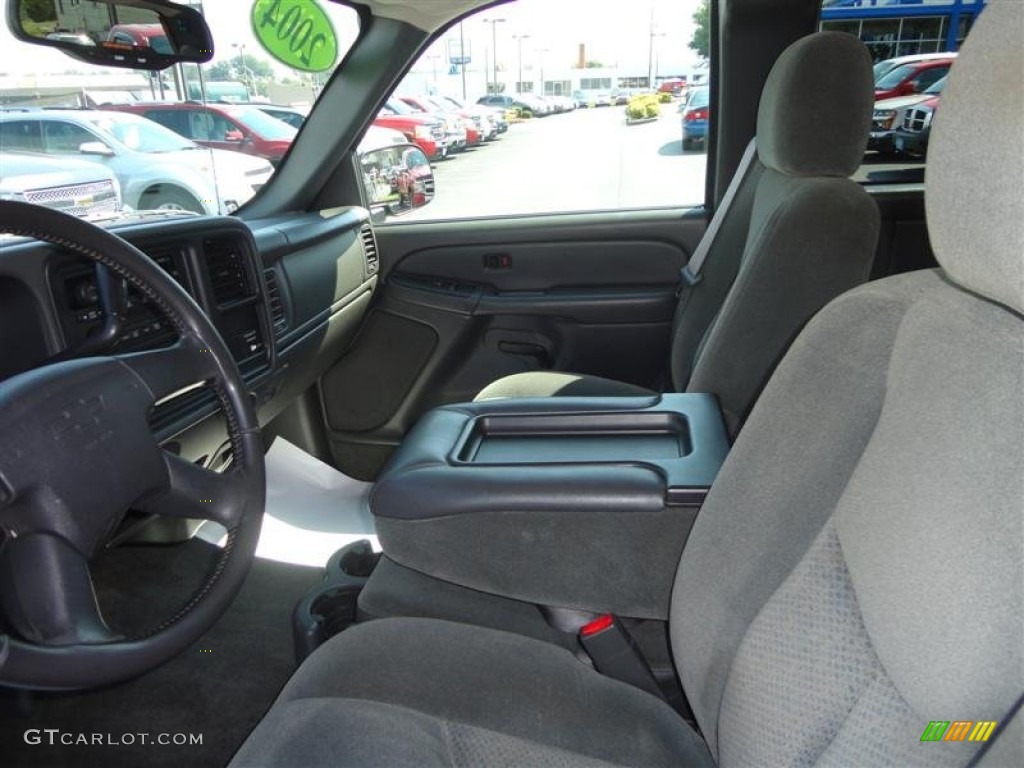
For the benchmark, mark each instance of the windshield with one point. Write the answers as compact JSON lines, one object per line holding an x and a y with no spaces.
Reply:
{"x":937,"y":87}
{"x":881,"y":68}
{"x":895,"y":77}
{"x":60,"y":107}
{"x":261,"y":123}
{"x":400,"y":107}
{"x":140,"y":134}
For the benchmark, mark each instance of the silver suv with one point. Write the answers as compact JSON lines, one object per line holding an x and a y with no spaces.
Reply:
{"x":157,"y":168}
{"x":76,"y":187}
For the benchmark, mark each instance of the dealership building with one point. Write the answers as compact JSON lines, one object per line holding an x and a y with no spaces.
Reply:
{"x":902,"y":27}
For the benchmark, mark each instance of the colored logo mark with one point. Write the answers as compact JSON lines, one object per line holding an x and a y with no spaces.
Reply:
{"x":958,"y":730}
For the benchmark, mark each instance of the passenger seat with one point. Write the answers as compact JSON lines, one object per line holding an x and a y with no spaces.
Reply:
{"x":797,"y":234}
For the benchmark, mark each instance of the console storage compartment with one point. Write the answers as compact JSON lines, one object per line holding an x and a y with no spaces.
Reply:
{"x":577,"y":502}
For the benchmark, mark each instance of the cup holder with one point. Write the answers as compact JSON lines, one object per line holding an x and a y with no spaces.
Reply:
{"x":354,"y":561}
{"x":330,"y":607}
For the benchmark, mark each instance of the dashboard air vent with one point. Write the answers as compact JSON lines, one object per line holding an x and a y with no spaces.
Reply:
{"x":278,"y":315}
{"x":167,"y":258}
{"x":370,"y":249}
{"x":225,"y":263}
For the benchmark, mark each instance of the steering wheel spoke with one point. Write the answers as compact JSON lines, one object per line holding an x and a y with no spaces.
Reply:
{"x":47,"y":593}
{"x":77,"y":450}
{"x":199,"y":493}
{"x":171,"y":370}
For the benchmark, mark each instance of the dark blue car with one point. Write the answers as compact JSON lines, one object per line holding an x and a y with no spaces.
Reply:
{"x":696,"y":111}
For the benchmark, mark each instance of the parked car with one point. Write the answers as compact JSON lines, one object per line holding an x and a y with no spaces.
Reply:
{"x":696,"y":114}
{"x":911,"y":137}
{"x":156,"y":168}
{"x":884,"y":67}
{"x":521,"y":101}
{"x":76,"y":187}
{"x":583,"y":99}
{"x":567,"y":102}
{"x":139,"y":36}
{"x":427,"y":132}
{"x":378,"y":138}
{"x":242,"y":128}
{"x":889,"y":111}
{"x":915,"y":77}
{"x":495,"y":115}
{"x":473,"y":128}
{"x":602,"y":99}
{"x":79,"y":38}
{"x":292,"y":115}
{"x":675,"y":87}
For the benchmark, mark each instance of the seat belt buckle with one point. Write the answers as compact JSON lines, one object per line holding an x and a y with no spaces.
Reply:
{"x":687,"y":278}
{"x":616,"y":655}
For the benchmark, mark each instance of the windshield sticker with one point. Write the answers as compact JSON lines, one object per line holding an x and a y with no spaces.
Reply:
{"x":295,"y":32}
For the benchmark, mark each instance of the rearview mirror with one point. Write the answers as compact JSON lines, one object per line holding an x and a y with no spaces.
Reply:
{"x":396,"y":178}
{"x":233,"y":135}
{"x":132,"y":34}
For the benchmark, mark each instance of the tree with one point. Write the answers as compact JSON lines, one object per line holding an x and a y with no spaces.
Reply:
{"x":258,"y":67}
{"x":255,"y":69}
{"x":592,"y":64}
{"x":39,"y":11}
{"x":701,"y":40}
{"x":220,"y":71}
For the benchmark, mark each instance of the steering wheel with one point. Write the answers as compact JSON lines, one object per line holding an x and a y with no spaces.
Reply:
{"x":76,"y":452}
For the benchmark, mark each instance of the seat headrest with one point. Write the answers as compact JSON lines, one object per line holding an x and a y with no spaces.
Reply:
{"x":974,"y":179}
{"x":815,"y":112}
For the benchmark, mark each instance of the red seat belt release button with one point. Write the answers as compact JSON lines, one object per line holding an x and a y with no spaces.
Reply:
{"x":615,"y":654}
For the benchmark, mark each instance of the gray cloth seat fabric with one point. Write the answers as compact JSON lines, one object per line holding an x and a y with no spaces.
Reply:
{"x":799,"y":233}
{"x":856,"y":571}
{"x":448,"y":694}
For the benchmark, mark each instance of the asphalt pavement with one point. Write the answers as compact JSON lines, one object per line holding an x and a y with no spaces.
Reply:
{"x":586,"y":160}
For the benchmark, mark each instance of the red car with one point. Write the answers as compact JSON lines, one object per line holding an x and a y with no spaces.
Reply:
{"x":221,"y":126}
{"x":912,"y":78}
{"x":474,"y":134}
{"x":139,"y":36}
{"x":426,"y":132}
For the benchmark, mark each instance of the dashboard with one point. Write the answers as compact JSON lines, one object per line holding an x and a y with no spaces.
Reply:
{"x":287,"y":295}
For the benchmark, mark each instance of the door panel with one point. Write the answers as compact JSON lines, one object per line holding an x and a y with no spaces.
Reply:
{"x":464,"y":303}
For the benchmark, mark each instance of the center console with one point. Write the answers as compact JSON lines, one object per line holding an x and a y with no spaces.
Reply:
{"x":581,"y":503}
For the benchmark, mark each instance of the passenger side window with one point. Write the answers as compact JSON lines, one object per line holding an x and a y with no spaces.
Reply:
{"x":214,"y":126}
{"x":65,"y":138}
{"x":560,"y":108}
{"x":20,"y":136}
{"x":175,"y":119}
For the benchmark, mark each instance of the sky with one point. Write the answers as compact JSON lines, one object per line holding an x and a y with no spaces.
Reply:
{"x":613,"y":32}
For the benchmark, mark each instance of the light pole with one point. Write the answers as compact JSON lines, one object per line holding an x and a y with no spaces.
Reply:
{"x":244,"y":68}
{"x":650,"y":51}
{"x":519,"y":82}
{"x":494,"y":49}
{"x":542,"y":51}
{"x":462,"y":52}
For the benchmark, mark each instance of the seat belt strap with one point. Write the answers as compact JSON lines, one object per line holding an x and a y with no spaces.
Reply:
{"x":690,"y":274}
{"x":1003,"y":725}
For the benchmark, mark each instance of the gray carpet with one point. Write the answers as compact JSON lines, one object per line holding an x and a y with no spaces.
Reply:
{"x":219,"y":688}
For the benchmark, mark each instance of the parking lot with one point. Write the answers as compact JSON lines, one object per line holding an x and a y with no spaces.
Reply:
{"x":589,"y":159}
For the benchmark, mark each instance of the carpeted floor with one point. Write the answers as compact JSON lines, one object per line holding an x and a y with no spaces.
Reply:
{"x":219,"y":688}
